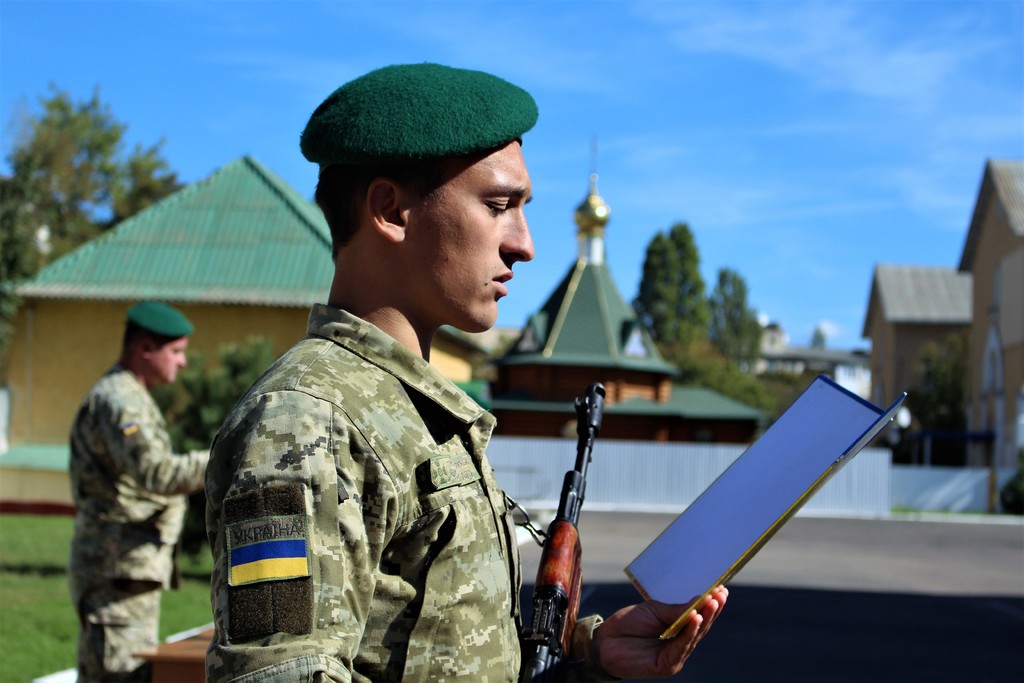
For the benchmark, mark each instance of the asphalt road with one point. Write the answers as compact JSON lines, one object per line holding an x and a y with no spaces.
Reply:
{"x":842,"y":600}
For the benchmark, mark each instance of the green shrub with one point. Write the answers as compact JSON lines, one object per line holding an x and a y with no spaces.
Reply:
{"x":197,"y":404}
{"x":1012,"y":495}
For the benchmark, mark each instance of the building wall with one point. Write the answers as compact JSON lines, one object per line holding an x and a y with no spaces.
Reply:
{"x":626,"y":427}
{"x":882,"y":335}
{"x":996,"y":340}
{"x":60,"y":348}
{"x":895,"y":352}
{"x":35,"y":491}
{"x":451,"y":359}
{"x":566,"y":382}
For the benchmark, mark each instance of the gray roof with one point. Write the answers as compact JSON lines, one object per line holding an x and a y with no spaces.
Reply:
{"x":920,"y":294}
{"x":813,"y":355}
{"x":1002,"y":182}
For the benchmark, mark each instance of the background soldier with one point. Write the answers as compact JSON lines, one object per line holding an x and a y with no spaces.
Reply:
{"x":129,"y":492}
{"x":357,"y":530}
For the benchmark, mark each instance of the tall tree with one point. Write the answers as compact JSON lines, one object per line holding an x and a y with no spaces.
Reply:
{"x":144,"y":179}
{"x":64,"y":168}
{"x":938,"y":401}
{"x":818,"y":339}
{"x":69,"y":181}
{"x":671,"y":299}
{"x":733,"y":327}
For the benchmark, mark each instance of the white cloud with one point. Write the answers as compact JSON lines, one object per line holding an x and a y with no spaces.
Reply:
{"x":831,"y":329}
{"x":844,"y":46}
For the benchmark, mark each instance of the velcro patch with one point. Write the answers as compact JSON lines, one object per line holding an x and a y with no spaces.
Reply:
{"x":267,"y":549}
{"x":451,"y":470}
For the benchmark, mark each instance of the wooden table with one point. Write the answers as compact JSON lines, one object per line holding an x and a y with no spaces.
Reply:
{"x":181,"y":661}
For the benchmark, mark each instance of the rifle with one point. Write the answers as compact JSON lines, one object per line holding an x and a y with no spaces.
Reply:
{"x":556,"y":593}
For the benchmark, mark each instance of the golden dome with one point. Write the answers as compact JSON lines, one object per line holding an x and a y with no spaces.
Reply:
{"x":592,"y":214}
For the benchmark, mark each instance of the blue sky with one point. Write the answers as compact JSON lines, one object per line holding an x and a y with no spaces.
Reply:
{"x":803,"y":142}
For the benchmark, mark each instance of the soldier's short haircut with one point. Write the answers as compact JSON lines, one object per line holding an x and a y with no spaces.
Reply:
{"x":133,"y":334}
{"x":341,"y":188}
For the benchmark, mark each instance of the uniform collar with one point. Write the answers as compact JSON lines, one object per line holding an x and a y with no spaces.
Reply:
{"x":119,"y":369}
{"x":370,"y":343}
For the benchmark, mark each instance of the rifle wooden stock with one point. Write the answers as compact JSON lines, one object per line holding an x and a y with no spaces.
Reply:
{"x":556,"y":593}
{"x":561,"y":571}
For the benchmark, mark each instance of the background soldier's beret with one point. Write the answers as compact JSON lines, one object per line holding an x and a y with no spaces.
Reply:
{"x":409,"y":112}
{"x":159,"y":318}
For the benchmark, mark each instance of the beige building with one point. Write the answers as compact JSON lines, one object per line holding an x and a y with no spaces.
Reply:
{"x":993,"y":254}
{"x":911,"y":306}
{"x":908,"y":308}
{"x":241,"y":253}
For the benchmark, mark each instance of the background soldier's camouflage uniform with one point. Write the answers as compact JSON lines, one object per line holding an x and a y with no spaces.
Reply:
{"x":128,"y":489}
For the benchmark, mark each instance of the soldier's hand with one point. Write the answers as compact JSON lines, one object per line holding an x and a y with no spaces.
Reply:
{"x":628,"y":642}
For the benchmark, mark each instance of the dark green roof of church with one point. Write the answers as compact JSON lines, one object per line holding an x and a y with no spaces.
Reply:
{"x":585,"y":321}
{"x":240,"y":236}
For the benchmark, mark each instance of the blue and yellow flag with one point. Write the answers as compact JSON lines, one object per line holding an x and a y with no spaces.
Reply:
{"x":267,"y":549}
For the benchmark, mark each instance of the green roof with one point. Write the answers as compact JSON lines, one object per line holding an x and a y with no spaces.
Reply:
{"x":240,"y":236}
{"x":585,"y":321}
{"x":695,"y":403}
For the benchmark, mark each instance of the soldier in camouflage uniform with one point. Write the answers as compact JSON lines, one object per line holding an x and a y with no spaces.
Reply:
{"x":129,"y":494}
{"x":357,"y":530}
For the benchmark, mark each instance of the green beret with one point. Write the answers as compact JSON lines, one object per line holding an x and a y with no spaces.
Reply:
{"x":409,"y":112}
{"x":159,"y":318}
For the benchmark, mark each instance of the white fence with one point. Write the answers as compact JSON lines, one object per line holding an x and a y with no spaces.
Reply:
{"x":644,"y":476}
{"x":944,"y":489}
{"x":666,"y":477}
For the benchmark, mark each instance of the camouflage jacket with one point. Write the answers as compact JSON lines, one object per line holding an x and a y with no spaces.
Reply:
{"x":357,"y":530}
{"x":127,"y":486}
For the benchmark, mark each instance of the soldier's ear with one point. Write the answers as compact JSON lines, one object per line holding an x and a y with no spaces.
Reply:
{"x":384,"y":204}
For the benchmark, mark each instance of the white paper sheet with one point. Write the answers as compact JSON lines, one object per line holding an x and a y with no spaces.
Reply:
{"x":726,"y":525}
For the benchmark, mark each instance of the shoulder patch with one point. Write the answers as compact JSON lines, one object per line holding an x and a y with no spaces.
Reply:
{"x":129,"y":428}
{"x":267,"y":549}
{"x":267,"y":543}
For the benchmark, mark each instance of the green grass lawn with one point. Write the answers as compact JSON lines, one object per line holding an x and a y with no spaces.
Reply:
{"x":38,"y":627}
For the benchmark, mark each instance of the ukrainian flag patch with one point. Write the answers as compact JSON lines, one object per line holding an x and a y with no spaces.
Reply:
{"x":129,"y":428}
{"x":267,"y":549}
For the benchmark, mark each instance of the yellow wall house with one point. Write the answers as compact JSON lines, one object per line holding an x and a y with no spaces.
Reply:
{"x":994,"y":253}
{"x":241,"y":253}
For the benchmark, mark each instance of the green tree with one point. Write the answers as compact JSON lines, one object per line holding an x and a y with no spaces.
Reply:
{"x":1011,"y":497}
{"x":196,"y":406}
{"x":145,"y":178}
{"x":671,"y":299}
{"x":69,"y":181}
{"x":64,"y":168}
{"x":818,"y":339}
{"x":704,"y":365}
{"x":938,"y":401}
{"x":733,"y":326}
{"x":19,"y":258}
